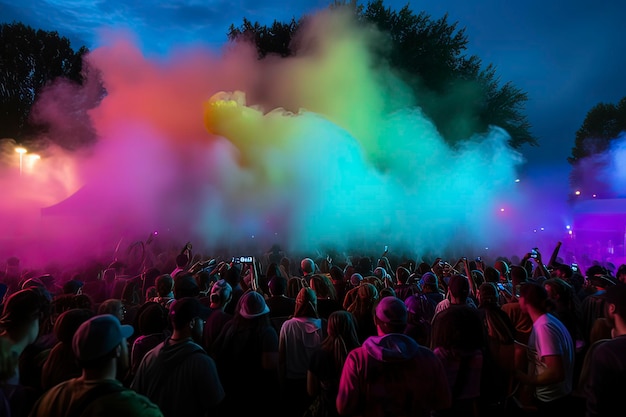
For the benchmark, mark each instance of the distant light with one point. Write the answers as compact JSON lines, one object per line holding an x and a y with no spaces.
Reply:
{"x":594,"y":196}
{"x":34,"y":157}
{"x":570,"y":232}
{"x":542,"y":229}
{"x":156,"y":233}
{"x":502,"y":209}
{"x":486,"y":248}
{"x":516,"y":179}
{"x":21,"y":150}
{"x":252,"y":236}
{"x":577,"y":192}
{"x":535,"y":230}
{"x":568,"y":227}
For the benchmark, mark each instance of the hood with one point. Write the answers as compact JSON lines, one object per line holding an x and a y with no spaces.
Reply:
{"x":309,"y":324}
{"x":391,"y":347}
{"x":173,"y":355}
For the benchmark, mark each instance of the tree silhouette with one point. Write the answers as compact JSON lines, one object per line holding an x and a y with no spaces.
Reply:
{"x":29,"y":61}
{"x":453,"y":89}
{"x":602,"y":126}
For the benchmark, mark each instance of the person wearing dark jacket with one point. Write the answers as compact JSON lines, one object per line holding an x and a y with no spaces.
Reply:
{"x":178,"y":375}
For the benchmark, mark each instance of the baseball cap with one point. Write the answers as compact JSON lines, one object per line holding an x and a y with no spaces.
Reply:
{"x":98,"y":336}
{"x":391,"y":310}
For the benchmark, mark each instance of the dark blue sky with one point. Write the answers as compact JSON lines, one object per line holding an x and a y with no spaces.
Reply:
{"x":568,"y":56}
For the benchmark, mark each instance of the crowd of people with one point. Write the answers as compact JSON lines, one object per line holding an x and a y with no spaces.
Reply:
{"x":194,"y":335}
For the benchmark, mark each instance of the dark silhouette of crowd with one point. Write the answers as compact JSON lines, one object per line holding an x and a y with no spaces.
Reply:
{"x":184,"y":334}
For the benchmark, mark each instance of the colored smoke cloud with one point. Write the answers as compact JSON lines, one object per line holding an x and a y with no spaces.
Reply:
{"x":323,"y":149}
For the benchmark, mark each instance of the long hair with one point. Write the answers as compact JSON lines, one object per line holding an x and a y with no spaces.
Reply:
{"x":323,"y":286}
{"x":342,"y":337}
{"x":306,"y":304}
{"x":365,"y":301}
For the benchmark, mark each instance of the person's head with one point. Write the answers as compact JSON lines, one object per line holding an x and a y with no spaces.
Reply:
{"x":294,"y":285}
{"x":131,"y":292}
{"x":519,"y":275}
{"x":322,"y":286}
{"x":151,"y":292}
{"x":306,"y":303}
{"x":165,"y":285}
{"x":487,"y":294}
{"x":558,"y":289}
{"x":594,"y":271}
{"x":459,"y":288}
{"x":149,"y":276}
{"x":492,"y":274}
{"x":478,"y":277}
{"x":307,"y":265}
{"x":277,"y":285}
{"x":387,"y":292}
{"x":232,"y":275}
{"x":367,"y":293}
{"x":615,"y":306}
{"x":182,"y":260}
{"x":221,"y":294}
{"x":185,"y":285}
{"x":533,"y":296}
{"x":252,"y":305}
{"x":430,"y":282}
{"x":187,"y":316}
{"x":602,"y":282}
{"x":563,"y":271}
{"x":336,"y":273}
{"x":391,"y":316}
{"x":503,"y":267}
{"x":355,"y":279}
{"x":113,"y":306}
{"x":341,"y":324}
{"x":100,"y":340}
{"x":204,"y":280}
{"x":402,"y":275}
{"x":73,"y":286}
{"x":23,"y":312}
{"x":152,"y":318}
{"x":68,"y":322}
{"x":620,"y":274}
{"x":342,"y":336}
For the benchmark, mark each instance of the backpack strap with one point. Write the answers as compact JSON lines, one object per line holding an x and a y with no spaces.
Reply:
{"x":77,"y":408}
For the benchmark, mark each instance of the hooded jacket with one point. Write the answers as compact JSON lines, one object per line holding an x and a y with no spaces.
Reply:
{"x":392,"y":375}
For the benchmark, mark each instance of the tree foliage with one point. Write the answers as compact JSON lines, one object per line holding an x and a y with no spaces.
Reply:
{"x":274,"y":39}
{"x":453,"y":89}
{"x":602,"y":125}
{"x":29,"y":61}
